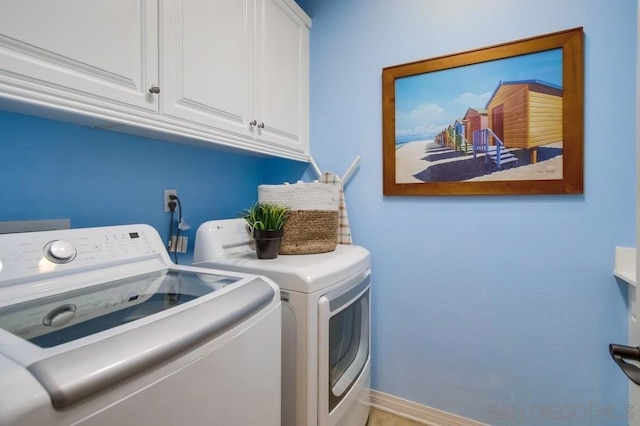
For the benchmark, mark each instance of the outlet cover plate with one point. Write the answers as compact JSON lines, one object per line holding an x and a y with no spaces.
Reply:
{"x":168,"y":192}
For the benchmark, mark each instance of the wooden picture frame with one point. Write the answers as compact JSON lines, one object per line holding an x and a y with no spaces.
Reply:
{"x":526,"y":139}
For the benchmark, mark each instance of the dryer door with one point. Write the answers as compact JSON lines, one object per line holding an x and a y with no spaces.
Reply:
{"x":343,"y":329}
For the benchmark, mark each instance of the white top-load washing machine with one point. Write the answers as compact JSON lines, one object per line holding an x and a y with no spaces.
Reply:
{"x":325,"y":322}
{"x":99,"y":327}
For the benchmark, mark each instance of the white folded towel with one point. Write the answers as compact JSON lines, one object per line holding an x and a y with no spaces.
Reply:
{"x":344,"y":230}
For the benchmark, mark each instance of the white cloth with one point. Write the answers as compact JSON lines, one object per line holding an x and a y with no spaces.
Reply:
{"x":344,"y":230}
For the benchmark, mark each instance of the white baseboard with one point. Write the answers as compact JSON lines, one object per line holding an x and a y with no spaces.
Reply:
{"x":416,"y":412}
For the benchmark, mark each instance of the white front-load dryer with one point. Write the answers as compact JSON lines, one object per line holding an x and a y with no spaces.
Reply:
{"x":325,"y":322}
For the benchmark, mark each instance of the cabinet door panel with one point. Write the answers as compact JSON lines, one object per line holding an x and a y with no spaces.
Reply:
{"x":90,"y":50}
{"x":282,"y":76}
{"x":207,"y":62}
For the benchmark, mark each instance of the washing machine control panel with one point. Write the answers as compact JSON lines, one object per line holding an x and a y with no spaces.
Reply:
{"x":36,"y":253}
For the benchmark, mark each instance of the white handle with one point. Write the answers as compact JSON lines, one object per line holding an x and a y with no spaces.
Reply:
{"x":350,"y":170}
{"x":315,"y":167}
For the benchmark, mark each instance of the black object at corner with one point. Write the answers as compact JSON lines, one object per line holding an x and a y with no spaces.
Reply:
{"x":619,"y":353}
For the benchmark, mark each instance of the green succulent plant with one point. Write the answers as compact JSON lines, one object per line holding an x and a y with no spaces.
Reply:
{"x":265,"y":216}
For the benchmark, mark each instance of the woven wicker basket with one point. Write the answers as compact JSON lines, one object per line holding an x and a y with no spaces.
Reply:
{"x":312,"y":226}
{"x":310,"y":231}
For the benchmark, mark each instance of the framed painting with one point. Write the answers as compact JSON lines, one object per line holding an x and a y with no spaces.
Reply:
{"x":504,"y":119}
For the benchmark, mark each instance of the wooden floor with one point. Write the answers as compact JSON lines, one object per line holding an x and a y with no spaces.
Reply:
{"x":382,"y":418}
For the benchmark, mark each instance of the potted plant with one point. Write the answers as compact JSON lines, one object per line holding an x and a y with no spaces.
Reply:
{"x":265,"y":222}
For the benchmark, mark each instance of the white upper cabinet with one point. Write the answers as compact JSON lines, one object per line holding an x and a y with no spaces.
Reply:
{"x":227,"y":72}
{"x":240,"y":67}
{"x":93,"y":51}
{"x":207,"y":62}
{"x":281,"y":78}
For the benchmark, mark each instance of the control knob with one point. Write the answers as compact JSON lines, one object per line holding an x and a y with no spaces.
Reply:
{"x":60,"y":251}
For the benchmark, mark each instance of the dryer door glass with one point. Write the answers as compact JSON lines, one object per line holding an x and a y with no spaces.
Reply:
{"x":348,"y":347}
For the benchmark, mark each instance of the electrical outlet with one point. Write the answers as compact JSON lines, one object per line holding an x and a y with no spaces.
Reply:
{"x":172,"y":244}
{"x":168,"y":192}
{"x":182,"y":244}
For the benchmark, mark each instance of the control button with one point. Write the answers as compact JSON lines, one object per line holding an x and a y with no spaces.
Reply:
{"x":60,"y":251}
{"x":15,"y":257}
{"x":97,"y":246}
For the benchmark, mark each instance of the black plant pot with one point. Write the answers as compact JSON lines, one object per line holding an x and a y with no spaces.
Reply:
{"x":267,"y":243}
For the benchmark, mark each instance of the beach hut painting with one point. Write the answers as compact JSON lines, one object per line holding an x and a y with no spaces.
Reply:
{"x":520,"y":116}
{"x":505,"y":119}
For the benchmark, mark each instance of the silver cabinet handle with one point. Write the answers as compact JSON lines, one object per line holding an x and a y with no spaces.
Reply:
{"x":261,"y":126}
{"x":253,"y":123}
{"x":155,"y":89}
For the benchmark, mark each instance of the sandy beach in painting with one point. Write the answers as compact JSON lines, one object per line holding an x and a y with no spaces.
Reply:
{"x":409,"y":160}
{"x":416,"y":158}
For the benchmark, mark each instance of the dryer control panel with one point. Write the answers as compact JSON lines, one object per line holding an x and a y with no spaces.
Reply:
{"x":27,"y":255}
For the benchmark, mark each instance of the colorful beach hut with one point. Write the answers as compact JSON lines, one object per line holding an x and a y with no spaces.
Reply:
{"x":474,"y":119}
{"x":526,"y":114}
{"x":460,"y":143}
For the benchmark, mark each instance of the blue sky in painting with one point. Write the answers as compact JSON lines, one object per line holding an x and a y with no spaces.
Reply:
{"x":427,"y":103}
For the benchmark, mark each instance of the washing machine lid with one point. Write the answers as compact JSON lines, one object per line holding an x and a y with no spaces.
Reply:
{"x":60,"y":318}
{"x":302,"y":273}
{"x":106,"y":343}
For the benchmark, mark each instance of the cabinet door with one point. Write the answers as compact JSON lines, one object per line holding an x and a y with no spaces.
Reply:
{"x":282,"y":76}
{"x":207,"y":63}
{"x":90,"y":51}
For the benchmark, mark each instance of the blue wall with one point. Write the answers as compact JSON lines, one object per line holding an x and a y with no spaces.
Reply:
{"x":499,"y":309}
{"x":54,"y":170}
